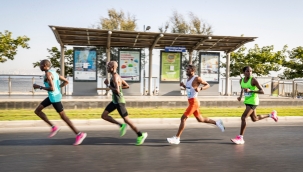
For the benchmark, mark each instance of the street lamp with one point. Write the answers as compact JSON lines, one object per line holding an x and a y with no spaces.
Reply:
{"x":145,"y":29}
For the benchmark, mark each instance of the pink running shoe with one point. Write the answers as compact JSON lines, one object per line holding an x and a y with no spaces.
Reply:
{"x":54,"y":131}
{"x":238,"y":140}
{"x":79,"y":138}
{"x":274,"y":115}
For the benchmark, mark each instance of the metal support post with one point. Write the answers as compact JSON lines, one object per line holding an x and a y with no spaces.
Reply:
{"x":33,"y":82}
{"x":62,"y":67}
{"x":150,"y":72}
{"x":9,"y":85}
{"x":227,"y":75}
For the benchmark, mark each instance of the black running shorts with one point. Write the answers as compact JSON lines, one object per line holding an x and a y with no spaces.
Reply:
{"x":251,"y":106}
{"x":57,"y":105}
{"x":120,"y":108}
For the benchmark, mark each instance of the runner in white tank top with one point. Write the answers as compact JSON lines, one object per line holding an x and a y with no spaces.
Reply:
{"x":191,"y":92}
{"x":192,"y":89}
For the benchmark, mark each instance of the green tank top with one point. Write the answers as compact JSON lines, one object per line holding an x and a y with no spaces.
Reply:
{"x":117,"y":98}
{"x":250,"y":98}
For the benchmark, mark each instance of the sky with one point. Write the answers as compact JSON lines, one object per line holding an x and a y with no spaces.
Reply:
{"x":274,"y":22}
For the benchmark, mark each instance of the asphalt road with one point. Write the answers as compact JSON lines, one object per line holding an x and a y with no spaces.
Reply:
{"x":267,"y":148}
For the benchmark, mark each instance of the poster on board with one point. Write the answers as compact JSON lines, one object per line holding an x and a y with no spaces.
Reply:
{"x":129,"y":65}
{"x":85,"y":64}
{"x":170,"y":66}
{"x":209,"y":66}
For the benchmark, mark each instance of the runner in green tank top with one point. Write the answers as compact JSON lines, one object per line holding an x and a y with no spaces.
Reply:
{"x":251,"y":88}
{"x":251,"y":98}
{"x":116,"y":85}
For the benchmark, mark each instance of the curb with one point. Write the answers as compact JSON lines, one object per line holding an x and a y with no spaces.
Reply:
{"x":140,"y":121}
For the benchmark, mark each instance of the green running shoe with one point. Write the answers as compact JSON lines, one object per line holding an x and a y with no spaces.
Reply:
{"x":123,"y":129}
{"x":141,"y":139}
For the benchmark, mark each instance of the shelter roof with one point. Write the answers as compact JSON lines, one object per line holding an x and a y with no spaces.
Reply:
{"x":134,"y":39}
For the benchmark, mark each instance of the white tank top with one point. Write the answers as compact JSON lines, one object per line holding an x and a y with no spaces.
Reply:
{"x":191,"y":93}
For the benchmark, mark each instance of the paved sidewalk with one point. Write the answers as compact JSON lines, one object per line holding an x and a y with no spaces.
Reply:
{"x":150,"y":122}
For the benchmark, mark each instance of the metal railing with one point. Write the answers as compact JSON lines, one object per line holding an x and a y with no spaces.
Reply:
{"x":234,"y":86}
{"x":22,"y":85}
{"x":291,"y":88}
{"x":271,"y":86}
{"x":299,"y":90}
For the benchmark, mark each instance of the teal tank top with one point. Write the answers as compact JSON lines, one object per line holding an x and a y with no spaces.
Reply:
{"x":250,"y":98}
{"x":54,"y":96}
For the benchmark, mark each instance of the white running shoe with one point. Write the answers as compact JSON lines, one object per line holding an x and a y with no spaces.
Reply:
{"x":220,"y":125}
{"x":173,"y":140}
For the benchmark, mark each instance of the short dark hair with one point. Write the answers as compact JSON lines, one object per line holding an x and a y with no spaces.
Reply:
{"x":46,"y":62}
{"x":246,"y":67}
{"x":192,"y":67}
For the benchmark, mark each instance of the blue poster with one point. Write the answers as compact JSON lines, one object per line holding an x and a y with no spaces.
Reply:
{"x":85,"y":64}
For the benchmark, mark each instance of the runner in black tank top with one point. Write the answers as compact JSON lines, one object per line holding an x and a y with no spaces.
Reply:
{"x":116,"y":85}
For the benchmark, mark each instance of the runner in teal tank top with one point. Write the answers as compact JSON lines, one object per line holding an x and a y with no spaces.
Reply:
{"x":55,"y":95}
{"x":116,"y":85}
{"x":251,"y":88}
{"x":53,"y":88}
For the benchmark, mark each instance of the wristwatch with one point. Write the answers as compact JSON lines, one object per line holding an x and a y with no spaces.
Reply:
{"x":40,"y":87}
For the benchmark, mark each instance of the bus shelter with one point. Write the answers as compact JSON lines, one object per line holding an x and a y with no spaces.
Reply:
{"x":172,"y":45}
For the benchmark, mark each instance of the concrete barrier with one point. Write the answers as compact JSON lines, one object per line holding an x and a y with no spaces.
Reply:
{"x":85,"y":104}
